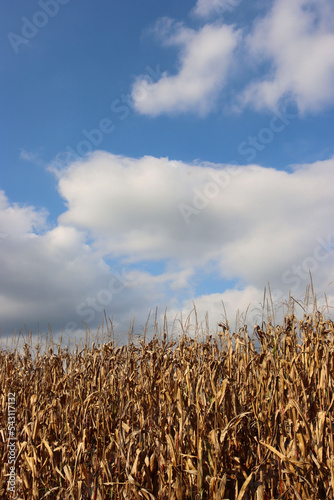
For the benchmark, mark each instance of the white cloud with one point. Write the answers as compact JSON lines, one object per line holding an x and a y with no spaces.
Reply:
{"x":297,"y":40}
{"x":15,"y":219}
{"x":252,"y":224}
{"x":205,"y":59}
{"x":291,"y":48}
{"x":132,"y":207}
{"x":54,"y":276}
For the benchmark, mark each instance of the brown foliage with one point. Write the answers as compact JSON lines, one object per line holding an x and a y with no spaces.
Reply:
{"x":190,"y":419}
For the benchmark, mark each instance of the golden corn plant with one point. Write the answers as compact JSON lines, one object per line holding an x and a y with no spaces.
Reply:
{"x":226,"y":417}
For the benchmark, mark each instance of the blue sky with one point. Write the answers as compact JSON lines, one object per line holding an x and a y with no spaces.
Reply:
{"x":163,"y":154}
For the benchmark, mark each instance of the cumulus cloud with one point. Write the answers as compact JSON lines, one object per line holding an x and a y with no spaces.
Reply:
{"x":19,"y":220}
{"x":56,"y":276}
{"x":44,"y":275}
{"x":254,"y":223}
{"x":287,"y":56}
{"x":247,"y":223}
{"x":297,"y":40}
{"x":205,"y":57}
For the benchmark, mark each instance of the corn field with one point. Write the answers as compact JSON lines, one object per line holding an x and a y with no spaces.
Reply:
{"x":231,"y":416}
